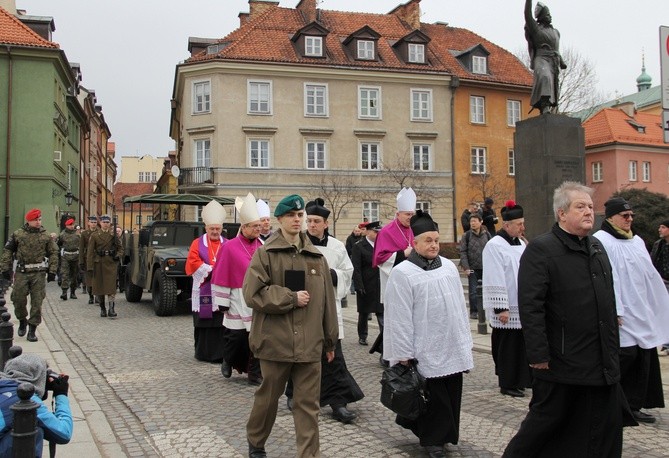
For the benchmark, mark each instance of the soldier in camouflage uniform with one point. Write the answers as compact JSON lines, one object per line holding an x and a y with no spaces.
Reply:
{"x":31,"y":246}
{"x":102,"y":258}
{"x":68,"y":242}
{"x":83,"y":247}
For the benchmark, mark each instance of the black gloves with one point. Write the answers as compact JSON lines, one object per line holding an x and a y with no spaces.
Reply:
{"x":50,"y":277}
{"x":7,"y":275}
{"x":61,"y":385}
{"x":333,"y":274}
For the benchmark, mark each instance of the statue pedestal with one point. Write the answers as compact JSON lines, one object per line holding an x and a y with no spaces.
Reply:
{"x":549,"y":149}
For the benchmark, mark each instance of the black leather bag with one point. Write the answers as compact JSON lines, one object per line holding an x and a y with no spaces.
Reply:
{"x":403,"y":391}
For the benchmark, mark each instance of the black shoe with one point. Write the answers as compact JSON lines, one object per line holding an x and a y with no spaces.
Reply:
{"x":342,"y":414}
{"x":112,"y":312}
{"x":33,"y":338}
{"x":64,"y":295}
{"x":103,"y":311}
{"x":226,"y":370}
{"x":643,"y":417}
{"x":23,"y":325}
{"x":513,"y":392}
{"x":90,"y":300}
{"x":255,"y":380}
{"x":256,"y":452}
{"x":289,"y":403}
{"x":383,"y":362}
{"x":72,"y":295}
{"x":362,"y":341}
{"x":434,"y":451}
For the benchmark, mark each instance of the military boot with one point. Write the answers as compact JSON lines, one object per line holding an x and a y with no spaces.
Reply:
{"x":64,"y":295}
{"x":103,"y":310}
{"x":23,"y":325}
{"x":72,"y":293}
{"x":31,"y":333}
{"x":112,"y":312}
{"x":91,"y":299}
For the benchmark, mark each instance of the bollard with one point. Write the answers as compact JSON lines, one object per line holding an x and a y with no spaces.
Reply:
{"x":24,"y":431}
{"x":481,"y":326}
{"x":6,"y":337}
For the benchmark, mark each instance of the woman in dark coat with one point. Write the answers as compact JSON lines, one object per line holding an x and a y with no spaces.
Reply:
{"x":366,"y":281}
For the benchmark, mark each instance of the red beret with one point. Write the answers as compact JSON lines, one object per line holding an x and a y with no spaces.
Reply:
{"x":33,"y":214}
{"x":69,"y":221}
{"x":363,"y":225}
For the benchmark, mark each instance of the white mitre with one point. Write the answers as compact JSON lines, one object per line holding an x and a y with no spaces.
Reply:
{"x":247,"y":208}
{"x":263,"y":209}
{"x":406,"y":200}
{"x":213,"y":213}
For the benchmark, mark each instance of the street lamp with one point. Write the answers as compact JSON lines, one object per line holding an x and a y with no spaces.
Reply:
{"x":68,"y":197}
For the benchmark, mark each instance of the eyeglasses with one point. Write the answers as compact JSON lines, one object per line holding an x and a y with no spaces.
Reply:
{"x":627,"y":215}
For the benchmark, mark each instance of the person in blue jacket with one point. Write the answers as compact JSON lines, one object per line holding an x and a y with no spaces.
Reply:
{"x":53,"y":426}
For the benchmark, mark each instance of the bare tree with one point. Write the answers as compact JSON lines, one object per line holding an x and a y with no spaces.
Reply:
{"x":338,"y":190}
{"x":578,"y":82}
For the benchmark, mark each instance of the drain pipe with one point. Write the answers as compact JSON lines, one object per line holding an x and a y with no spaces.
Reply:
{"x":455,"y":83}
{"x":10,"y":72}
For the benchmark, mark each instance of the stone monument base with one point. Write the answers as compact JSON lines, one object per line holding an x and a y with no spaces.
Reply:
{"x":549,"y":149}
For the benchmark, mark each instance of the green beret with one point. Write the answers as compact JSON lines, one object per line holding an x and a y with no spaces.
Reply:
{"x":289,"y":203}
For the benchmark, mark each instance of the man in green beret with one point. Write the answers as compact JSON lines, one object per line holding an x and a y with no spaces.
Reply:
{"x":289,"y":287}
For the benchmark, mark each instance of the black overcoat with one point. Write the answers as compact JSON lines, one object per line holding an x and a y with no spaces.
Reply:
{"x":366,"y":278}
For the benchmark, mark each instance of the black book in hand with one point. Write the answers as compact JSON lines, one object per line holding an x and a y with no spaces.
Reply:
{"x":294,"y":280}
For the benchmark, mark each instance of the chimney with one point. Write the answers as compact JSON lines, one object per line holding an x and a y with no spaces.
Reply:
{"x":628,"y":108}
{"x":258,"y":7}
{"x":243,"y":18}
{"x":308,"y":10}
{"x":409,"y":13}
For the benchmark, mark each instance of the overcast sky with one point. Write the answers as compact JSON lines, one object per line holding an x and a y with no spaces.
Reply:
{"x":128,"y":49}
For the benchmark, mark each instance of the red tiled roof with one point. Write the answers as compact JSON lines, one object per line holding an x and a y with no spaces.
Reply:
{"x":612,"y":125}
{"x":14,"y":32}
{"x":267,"y":38}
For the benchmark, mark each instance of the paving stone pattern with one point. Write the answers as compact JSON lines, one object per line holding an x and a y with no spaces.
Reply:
{"x":161,"y":402}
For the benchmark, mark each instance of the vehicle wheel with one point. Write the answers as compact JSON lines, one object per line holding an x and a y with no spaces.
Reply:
{"x":164,"y":294}
{"x":133,"y":293}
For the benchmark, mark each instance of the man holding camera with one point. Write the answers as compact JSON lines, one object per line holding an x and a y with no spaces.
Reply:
{"x":31,"y":246}
{"x":56,"y":426}
{"x":103,"y":254}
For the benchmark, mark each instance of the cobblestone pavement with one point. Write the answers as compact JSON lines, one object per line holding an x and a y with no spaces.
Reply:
{"x":161,"y":402}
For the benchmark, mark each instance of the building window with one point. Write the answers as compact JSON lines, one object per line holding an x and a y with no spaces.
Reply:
{"x":140,"y":177}
{"x":369,"y":156}
{"x":149,"y":218}
{"x":138,"y":220}
{"x":477,"y":109}
{"x":202,"y":161}
{"x":645,"y":171}
{"x":632,"y":171}
{"x":201,"y":97}
{"x":478,"y":161}
{"x":512,"y":112}
{"x":480,"y":65}
{"x":313,"y":46}
{"x":423,"y":205}
{"x":369,"y":102}
{"x":154,"y":177}
{"x":511,"y":162}
{"x":416,"y":53}
{"x":315,"y":100}
{"x":316,"y":155}
{"x":260,"y":97}
{"x":421,"y":157}
{"x":370,"y":211}
{"x":259,"y":153}
{"x":421,"y":105}
{"x":596,"y":172}
{"x":365,"y":49}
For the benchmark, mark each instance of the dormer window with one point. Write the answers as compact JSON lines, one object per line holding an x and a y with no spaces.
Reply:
{"x":480,"y":65}
{"x":416,"y":53}
{"x":366,"y":49}
{"x":313,"y":46}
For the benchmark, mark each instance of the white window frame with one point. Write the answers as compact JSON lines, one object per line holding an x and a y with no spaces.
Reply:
{"x":632,"y":168}
{"x":511,"y":162}
{"x":140,"y":177}
{"x":423,"y":205}
{"x":202,"y":152}
{"x":315,"y":154}
{"x":416,"y":53}
{"x":371,"y":210}
{"x":477,"y":160}
{"x":367,"y":154}
{"x":419,"y":161}
{"x":259,"y":157}
{"x":138,"y":220}
{"x":313,"y":46}
{"x":369,"y":106}
{"x":421,"y":104}
{"x":256,"y":99}
{"x":477,"y":109}
{"x":365,"y":50}
{"x":597,"y":172}
{"x":645,"y":171}
{"x":480,"y":65}
{"x":201,"y":98}
{"x":512,"y":112}
{"x":154,"y":177}
{"x":310,"y":92}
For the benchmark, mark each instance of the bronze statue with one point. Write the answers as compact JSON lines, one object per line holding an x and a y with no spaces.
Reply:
{"x":545,"y":60}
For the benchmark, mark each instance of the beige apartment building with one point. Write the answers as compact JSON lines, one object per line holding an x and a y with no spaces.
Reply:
{"x":144,"y":169}
{"x":346,"y":106}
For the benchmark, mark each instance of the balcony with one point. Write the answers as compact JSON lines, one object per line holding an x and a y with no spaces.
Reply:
{"x":195,"y":176}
